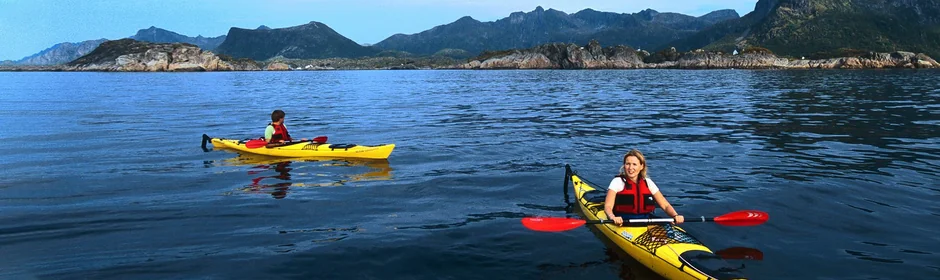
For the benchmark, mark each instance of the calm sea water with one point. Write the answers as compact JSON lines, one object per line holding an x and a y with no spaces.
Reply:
{"x":102,"y":176}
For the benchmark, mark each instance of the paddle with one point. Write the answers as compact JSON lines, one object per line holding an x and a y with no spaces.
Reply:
{"x":255,"y":143}
{"x":258,"y":143}
{"x":555,"y":224}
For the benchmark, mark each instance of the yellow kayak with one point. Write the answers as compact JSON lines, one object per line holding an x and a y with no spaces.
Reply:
{"x":306,"y":149}
{"x":667,"y":250}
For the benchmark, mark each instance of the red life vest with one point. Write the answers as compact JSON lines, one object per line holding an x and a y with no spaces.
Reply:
{"x":634,"y":198}
{"x":280,"y":133}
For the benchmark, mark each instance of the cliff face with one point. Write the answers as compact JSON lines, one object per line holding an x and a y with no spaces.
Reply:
{"x":592,"y":56}
{"x":132,"y":55}
{"x":560,"y":56}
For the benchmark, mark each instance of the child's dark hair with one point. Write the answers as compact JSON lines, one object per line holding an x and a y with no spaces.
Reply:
{"x":277,"y":115}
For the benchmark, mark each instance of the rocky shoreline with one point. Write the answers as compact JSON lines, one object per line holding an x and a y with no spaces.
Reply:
{"x":365,"y":63}
{"x":593,"y":56}
{"x":128,"y":55}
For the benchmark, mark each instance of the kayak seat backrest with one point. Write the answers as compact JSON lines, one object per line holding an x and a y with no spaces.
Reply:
{"x":710,"y":264}
{"x":595,"y":196}
{"x":595,"y":200}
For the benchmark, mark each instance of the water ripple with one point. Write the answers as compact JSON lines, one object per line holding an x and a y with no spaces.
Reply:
{"x":110,"y":182}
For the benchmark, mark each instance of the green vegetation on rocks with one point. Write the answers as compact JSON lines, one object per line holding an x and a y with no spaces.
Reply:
{"x":820,"y":28}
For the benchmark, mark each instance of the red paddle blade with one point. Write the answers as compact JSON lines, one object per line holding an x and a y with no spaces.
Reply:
{"x":551,"y":224}
{"x":743,"y":218}
{"x":741,"y":253}
{"x":319,"y":139}
{"x":256,"y":143}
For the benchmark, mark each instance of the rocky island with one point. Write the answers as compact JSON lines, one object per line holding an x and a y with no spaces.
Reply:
{"x":134,"y":56}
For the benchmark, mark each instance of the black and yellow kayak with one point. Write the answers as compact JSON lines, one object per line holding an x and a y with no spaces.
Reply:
{"x":304,"y":149}
{"x":666,"y":249}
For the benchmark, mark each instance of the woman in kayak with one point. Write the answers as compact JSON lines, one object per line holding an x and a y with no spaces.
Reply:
{"x":276,"y":133}
{"x":633,"y":195}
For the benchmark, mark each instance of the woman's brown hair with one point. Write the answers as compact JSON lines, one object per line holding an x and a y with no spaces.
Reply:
{"x":634,"y":153}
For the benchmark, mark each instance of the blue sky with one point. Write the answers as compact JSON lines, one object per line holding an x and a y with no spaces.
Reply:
{"x":29,"y":26}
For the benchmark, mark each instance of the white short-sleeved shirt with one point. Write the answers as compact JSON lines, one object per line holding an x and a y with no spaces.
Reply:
{"x":617,"y":185}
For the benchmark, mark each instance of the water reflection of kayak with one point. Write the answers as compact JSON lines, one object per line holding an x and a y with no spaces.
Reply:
{"x":279,"y":183}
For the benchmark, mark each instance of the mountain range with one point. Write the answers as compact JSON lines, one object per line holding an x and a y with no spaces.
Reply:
{"x":811,"y":28}
{"x":646,"y":29}
{"x":60,"y":53}
{"x":463,"y":38}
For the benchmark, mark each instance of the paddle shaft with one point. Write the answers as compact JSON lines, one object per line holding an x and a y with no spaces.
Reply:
{"x":651,"y":221}
{"x":206,"y":139}
{"x":555,"y":224}
{"x":289,"y":143}
{"x":258,"y":143}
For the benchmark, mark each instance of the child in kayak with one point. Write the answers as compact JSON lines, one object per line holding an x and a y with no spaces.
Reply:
{"x":633,"y":195}
{"x":276,"y":133}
